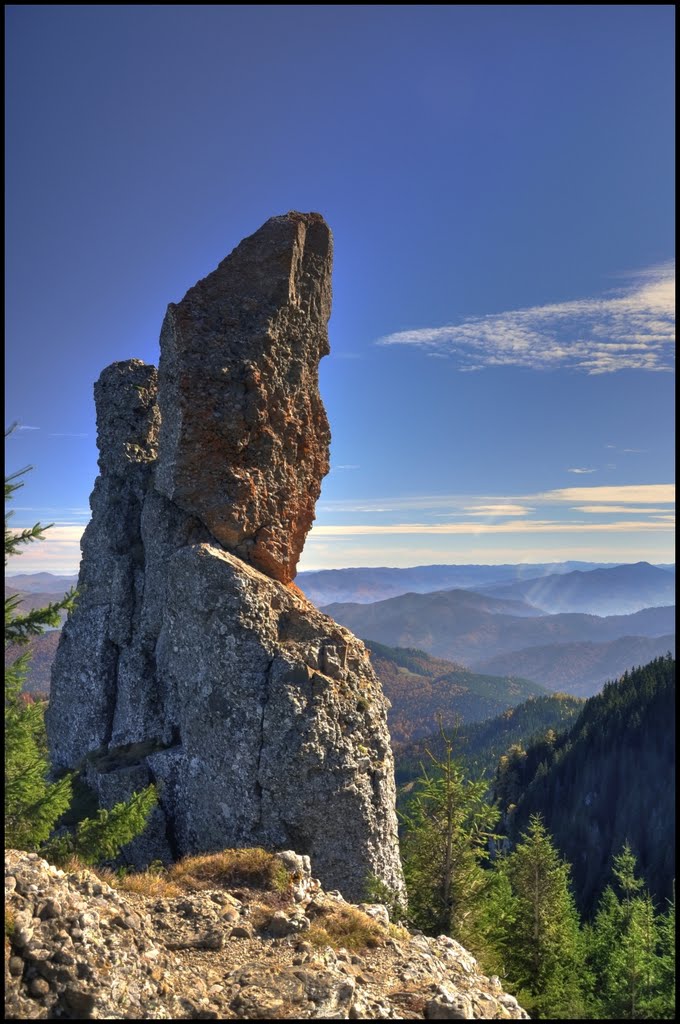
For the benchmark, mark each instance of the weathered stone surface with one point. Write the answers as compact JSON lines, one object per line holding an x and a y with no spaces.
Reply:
{"x":259,"y":719}
{"x":114,"y":954}
{"x":128,"y":419}
{"x":244,"y":435}
{"x":84,"y":689}
{"x":244,"y":657}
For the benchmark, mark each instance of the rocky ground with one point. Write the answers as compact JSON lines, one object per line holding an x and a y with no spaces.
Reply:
{"x":78,"y":948}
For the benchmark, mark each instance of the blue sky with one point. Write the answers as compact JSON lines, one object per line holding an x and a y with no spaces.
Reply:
{"x":500,"y":184}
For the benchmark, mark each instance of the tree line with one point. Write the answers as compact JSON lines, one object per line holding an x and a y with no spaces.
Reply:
{"x":514,"y":906}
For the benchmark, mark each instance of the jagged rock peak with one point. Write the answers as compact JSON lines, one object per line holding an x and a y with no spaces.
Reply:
{"x":128,"y":419}
{"x":244,"y":435}
{"x":188,"y":661}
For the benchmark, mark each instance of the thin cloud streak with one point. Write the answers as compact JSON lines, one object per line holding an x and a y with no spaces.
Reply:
{"x":515,"y":526}
{"x":631,"y":330}
{"x":613,"y":509}
{"x":652,"y":494}
{"x":497,"y":510}
{"x":575,"y":470}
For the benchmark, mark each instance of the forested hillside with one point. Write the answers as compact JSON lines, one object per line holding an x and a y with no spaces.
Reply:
{"x":421,"y":687}
{"x":482,"y":744}
{"x":604,"y":782}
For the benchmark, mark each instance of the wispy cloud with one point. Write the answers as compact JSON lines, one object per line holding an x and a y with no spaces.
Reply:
{"x":497,"y":510}
{"x":639,"y":494}
{"x":613,"y":509}
{"x":632,"y":329}
{"x":67,"y":435}
{"x":64,"y":516}
{"x":454,"y":504}
{"x":576,"y":470}
{"x":372,"y":509}
{"x":25,"y":426}
{"x":347,"y":466}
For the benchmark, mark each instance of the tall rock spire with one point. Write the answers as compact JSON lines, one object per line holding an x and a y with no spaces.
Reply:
{"x":188,"y":661}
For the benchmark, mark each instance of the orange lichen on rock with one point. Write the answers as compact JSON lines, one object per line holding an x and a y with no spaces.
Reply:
{"x":244,"y":434}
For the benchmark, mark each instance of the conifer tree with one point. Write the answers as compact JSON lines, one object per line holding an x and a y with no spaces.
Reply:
{"x":32,"y":805}
{"x":633,"y":949}
{"x":449,"y":823}
{"x":540,"y":939}
{"x":663,"y":1004}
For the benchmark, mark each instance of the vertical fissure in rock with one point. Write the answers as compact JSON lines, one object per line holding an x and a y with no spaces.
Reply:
{"x":259,"y":789}
{"x":113,"y":695}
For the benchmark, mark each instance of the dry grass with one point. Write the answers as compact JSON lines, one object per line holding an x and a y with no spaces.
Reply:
{"x":73,"y":864}
{"x":252,"y":867}
{"x":147,"y":883}
{"x":349,"y":928}
{"x":259,"y":916}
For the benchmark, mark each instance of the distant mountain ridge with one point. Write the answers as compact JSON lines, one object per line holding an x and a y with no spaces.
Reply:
{"x":620,"y":590}
{"x":466,"y":627}
{"x":626,"y":583}
{"x":41,"y":582}
{"x":365,"y":585}
{"x":42,"y":650}
{"x":481,"y":744}
{"x":579,"y":668}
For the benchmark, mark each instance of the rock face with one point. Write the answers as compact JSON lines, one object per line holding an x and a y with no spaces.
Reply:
{"x":260,"y":719}
{"x":112,"y":569}
{"x":244,"y":435}
{"x":78,"y":948}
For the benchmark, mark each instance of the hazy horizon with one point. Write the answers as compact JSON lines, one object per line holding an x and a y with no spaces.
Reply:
{"x":349,"y":568}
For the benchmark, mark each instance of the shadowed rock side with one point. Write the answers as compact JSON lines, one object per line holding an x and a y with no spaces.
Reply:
{"x":259,"y":718}
{"x":244,"y":435}
{"x":111,"y":580}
